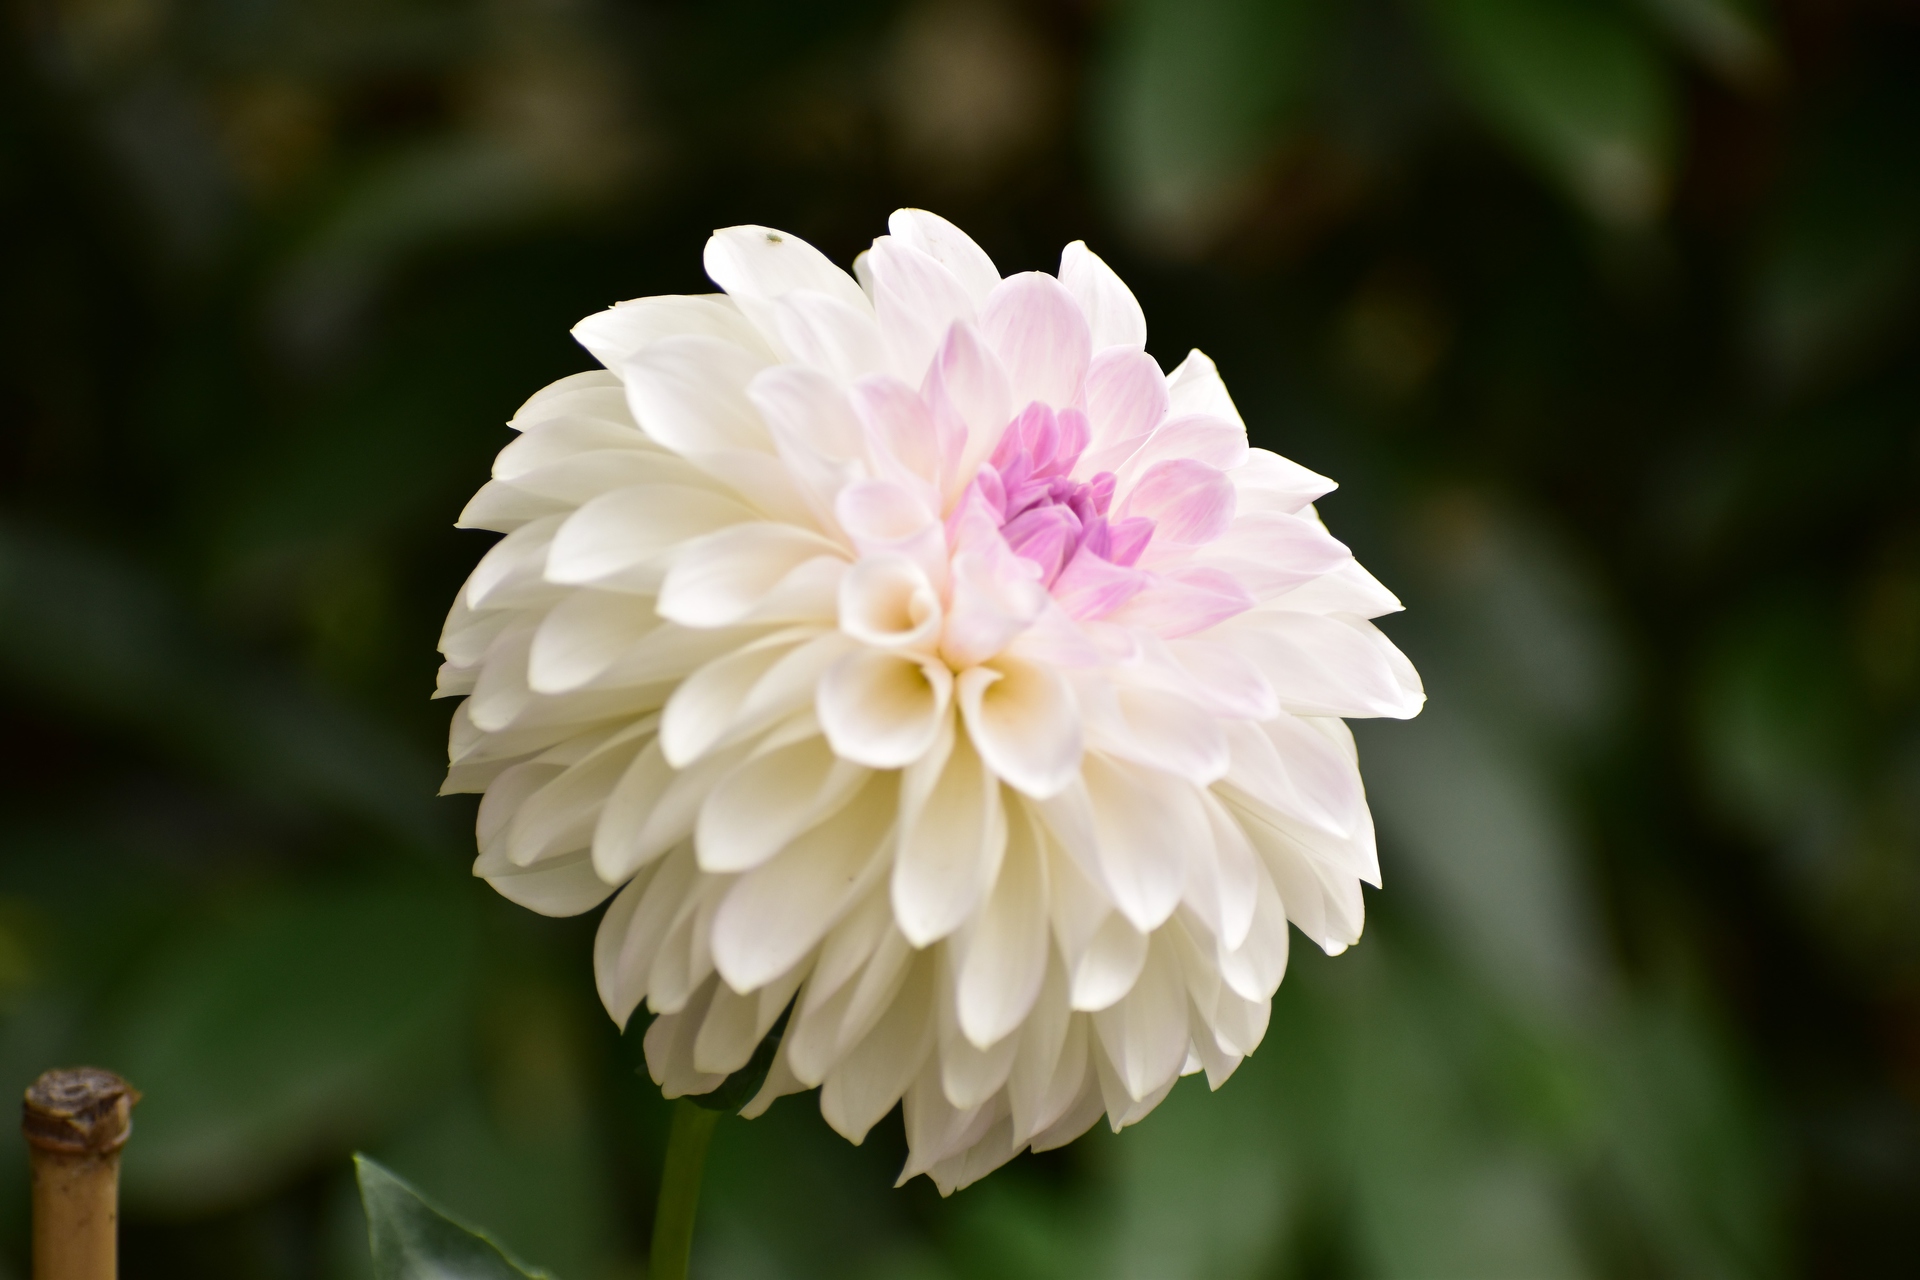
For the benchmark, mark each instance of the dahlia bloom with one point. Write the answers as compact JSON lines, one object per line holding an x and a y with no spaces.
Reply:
{"x":905,"y":650}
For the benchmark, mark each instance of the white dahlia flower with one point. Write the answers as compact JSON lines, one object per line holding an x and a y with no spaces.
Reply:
{"x":908,"y":651}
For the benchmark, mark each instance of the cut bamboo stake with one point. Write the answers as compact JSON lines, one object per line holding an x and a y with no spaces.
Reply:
{"x":75,"y":1122}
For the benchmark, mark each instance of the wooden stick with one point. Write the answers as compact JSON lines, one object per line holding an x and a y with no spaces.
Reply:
{"x":75,"y":1122}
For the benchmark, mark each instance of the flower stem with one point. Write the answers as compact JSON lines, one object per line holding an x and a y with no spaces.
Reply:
{"x":680,"y":1190}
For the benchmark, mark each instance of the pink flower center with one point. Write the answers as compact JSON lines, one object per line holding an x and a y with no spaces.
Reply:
{"x":1057,"y":523}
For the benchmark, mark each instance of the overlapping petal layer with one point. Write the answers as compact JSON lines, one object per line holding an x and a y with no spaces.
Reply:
{"x":905,"y":649}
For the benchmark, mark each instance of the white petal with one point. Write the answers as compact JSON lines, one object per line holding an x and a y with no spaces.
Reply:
{"x":1196,"y":388}
{"x":769,"y":799}
{"x":948,"y":245}
{"x":1043,"y":1038}
{"x":683,"y":963}
{"x":883,"y":710}
{"x":887,"y":601}
{"x":511,"y":573}
{"x":1024,"y":721}
{"x":669,"y":1047}
{"x":1004,"y":956}
{"x":560,"y":816}
{"x":777,"y":913}
{"x":867,"y":1082}
{"x":1347,"y":588}
{"x":543,"y":445}
{"x":1144,"y":822}
{"x":953,"y":832}
{"x":814,"y":429}
{"x":1232,"y":878}
{"x":620,"y":987}
{"x":1324,"y":902}
{"x":1288,"y":771}
{"x":751,"y":687}
{"x":583,"y":636}
{"x":828,"y":1028}
{"x":804,"y":407}
{"x":1109,"y":966}
{"x":968,"y":1075}
{"x":564,"y":886}
{"x":690,"y":394}
{"x":1269,"y":482}
{"x":936,"y":1128}
{"x":1254,"y":968}
{"x":727,"y":1036}
{"x":614,"y":335}
{"x":830,"y":335}
{"x":500,"y":695}
{"x":1328,"y":665}
{"x":724,"y":577}
{"x":595,"y":393}
{"x":1163,"y":731}
{"x":915,"y":301}
{"x":1145,"y":1035}
{"x":626,"y":529}
{"x":1113,"y":315}
{"x":756,"y":265}
{"x":1079,"y":1116}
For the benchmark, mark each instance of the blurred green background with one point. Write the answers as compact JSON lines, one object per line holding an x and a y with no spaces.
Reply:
{"x":1603,"y":311}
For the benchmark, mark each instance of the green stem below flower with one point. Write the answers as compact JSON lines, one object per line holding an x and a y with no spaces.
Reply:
{"x":680,"y":1190}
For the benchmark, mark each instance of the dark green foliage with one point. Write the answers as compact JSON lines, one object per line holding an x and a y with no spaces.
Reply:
{"x":1603,"y":312}
{"x":411,"y":1239}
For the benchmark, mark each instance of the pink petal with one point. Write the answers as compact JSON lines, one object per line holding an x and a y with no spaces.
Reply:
{"x":900,"y":431}
{"x":1130,"y":538}
{"x":1202,"y":437}
{"x":1090,"y":587}
{"x":1184,"y":601}
{"x":1036,"y":328}
{"x":966,"y":389}
{"x":1046,"y":536}
{"x":1269,"y":553}
{"x":1189,"y":502}
{"x":1126,"y":396}
{"x":996,"y":594}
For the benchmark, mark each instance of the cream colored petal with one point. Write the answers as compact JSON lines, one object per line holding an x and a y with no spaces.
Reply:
{"x":864,"y":1085}
{"x":1002,"y":959}
{"x":953,"y":832}
{"x":689,"y":394}
{"x":626,"y":528}
{"x":721,"y":579}
{"x":779,"y":912}
{"x":883,"y":710}
{"x":1025,"y":723}
{"x":767,"y":800}
{"x":1145,"y":1035}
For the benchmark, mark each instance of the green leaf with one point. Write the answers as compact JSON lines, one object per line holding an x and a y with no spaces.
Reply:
{"x":283,"y":1031}
{"x":1576,"y":87}
{"x":1838,"y":264}
{"x":1197,"y":94}
{"x":1729,"y":36}
{"x":412,"y":1239}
